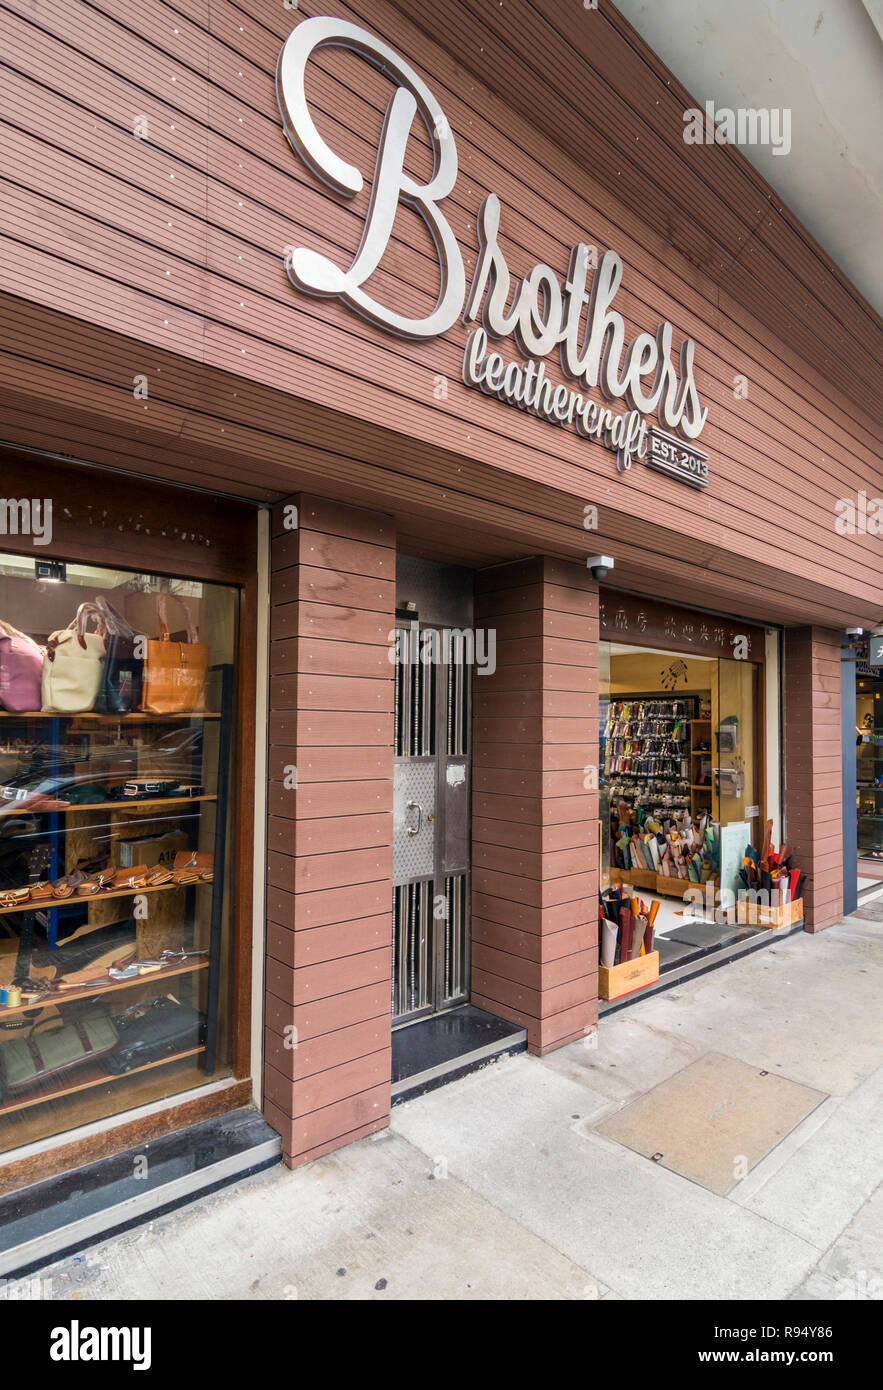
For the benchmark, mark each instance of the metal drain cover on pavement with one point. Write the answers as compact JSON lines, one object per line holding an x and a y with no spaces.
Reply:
{"x":712,"y":1121}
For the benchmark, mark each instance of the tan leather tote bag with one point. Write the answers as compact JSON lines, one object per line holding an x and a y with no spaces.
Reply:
{"x":175,"y":672}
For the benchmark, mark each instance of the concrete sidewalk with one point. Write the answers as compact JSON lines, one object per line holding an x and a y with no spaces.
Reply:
{"x":502,"y":1186}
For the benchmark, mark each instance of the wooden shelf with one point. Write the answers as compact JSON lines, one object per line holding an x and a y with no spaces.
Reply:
{"x":89,"y":1076}
{"x":43,"y":903}
{"x":91,"y":988}
{"x":700,"y":787}
{"x":130,"y":804}
{"x":137,"y":718}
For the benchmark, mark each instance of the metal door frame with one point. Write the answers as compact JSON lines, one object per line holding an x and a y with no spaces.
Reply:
{"x":438,"y":1003}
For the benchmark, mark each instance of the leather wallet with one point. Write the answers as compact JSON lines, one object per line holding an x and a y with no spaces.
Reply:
{"x":135,"y":877}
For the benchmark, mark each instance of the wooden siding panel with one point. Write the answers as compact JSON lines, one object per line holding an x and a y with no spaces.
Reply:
{"x":813,"y":770}
{"x":791,"y":433}
{"x":534,"y":914}
{"x":329,"y":932}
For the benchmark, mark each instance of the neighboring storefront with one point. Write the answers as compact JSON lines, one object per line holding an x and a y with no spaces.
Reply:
{"x":867,"y":657}
{"x":538,"y":442}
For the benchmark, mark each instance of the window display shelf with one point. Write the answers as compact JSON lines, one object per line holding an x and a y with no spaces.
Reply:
{"x":137,"y":718}
{"x":87,"y":1078}
{"x":131,"y":804}
{"x":42,"y":903}
{"x":91,"y":989}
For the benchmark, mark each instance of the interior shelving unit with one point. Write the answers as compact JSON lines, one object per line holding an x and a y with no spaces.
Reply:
{"x":701,"y":792}
{"x":637,"y":785}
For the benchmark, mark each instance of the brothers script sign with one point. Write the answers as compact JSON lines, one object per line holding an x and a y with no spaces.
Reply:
{"x":542,"y":314}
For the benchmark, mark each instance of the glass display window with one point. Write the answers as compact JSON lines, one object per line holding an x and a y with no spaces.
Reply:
{"x":116,"y":721}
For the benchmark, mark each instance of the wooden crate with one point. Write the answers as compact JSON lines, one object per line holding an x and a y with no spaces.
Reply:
{"x":674,"y":887}
{"x":751,"y":914}
{"x":638,"y":878}
{"x":616,"y":980}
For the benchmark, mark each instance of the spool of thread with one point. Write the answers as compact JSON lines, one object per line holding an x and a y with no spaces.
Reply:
{"x":13,"y":996}
{"x":3,"y":994}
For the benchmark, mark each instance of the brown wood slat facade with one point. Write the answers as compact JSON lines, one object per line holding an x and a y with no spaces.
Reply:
{"x":813,"y":769}
{"x":87,"y":225}
{"x":535,"y":841}
{"x":329,"y":870}
{"x":163,"y":257}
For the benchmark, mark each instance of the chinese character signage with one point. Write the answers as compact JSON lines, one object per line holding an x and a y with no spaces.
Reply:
{"x":649,"y":623}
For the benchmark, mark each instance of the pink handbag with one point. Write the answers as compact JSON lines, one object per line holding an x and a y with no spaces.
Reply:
{"x":21,"y":669}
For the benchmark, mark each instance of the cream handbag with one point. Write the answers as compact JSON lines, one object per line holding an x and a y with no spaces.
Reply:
{"x":73,"y":665}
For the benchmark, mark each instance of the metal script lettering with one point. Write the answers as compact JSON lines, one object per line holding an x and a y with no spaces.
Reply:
{"x":541,"y":313}
{"x":318,"y":274}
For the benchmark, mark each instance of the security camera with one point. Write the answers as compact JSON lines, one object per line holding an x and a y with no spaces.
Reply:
{"x":855,"y":632}
{"x":599,"y":565}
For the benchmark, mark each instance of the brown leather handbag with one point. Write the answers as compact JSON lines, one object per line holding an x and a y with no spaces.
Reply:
{"x":175,"y":672}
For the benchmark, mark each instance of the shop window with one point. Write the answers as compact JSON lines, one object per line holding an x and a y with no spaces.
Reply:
{"x":116,"y":722}
{"x":869,"y":765}
{"x":679,"y":748}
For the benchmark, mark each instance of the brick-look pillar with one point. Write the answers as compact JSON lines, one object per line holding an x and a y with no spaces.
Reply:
{"x":329,"y":872}
{"x":535,"y":823}
{"x":813,"y":769}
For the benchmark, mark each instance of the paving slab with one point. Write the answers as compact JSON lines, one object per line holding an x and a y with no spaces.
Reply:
{"x":827,"y":1178}
{"x":773,"y":1009}
{"x":624,"y":1058}
{"x":855,"y":1261}
{"x":516,"y":1135}
{"x":815,"y":1288}
{"x":378,"y":1220}
{"x":852,"y":1270}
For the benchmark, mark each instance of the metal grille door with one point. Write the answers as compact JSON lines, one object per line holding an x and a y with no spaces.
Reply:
{"x":431,"y":832}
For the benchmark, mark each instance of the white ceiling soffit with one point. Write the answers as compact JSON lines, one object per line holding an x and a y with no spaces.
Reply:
{"x":822,"y":60}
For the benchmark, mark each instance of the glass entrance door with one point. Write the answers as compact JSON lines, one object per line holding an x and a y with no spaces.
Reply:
{"x":737,"y":751}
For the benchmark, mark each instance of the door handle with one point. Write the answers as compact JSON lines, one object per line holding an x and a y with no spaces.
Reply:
{"x":415,"y":806}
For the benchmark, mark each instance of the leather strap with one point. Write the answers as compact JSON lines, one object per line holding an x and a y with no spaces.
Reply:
{"x":163,"y":610}
{"x":114,"y":621}
{"x":81,"y":622}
